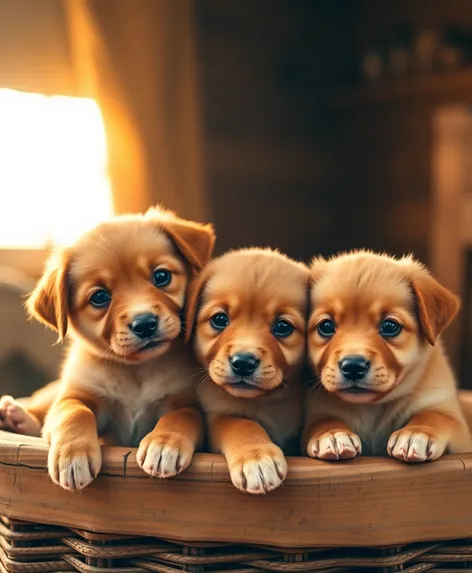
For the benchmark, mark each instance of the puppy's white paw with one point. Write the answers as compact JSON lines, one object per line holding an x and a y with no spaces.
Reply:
{"x":337,"y":445}
{"x":74,"y":466}
{"x":258,"y":469}
{"x":414,"y":445}
{"x":164,"y":454}
{"x":14,"y":417}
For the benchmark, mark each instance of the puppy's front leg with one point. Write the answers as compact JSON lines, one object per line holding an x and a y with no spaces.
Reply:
{"x":169,"y":448}
{"x":427,"y":436}
{"x":331,"y":439}
{"x":70,"y":429}
{"x":256,"y":464}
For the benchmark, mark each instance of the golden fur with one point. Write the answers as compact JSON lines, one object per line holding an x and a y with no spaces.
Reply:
{"x":252,"y":422}
{"x":114,"y":384}
{"x":406,"y":404}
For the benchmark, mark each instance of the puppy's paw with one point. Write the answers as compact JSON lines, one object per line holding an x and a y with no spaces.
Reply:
{"x":258,"y":469}
{"x":413,"y":444}
{"x":336,"y":445}
{"x":164,"y":454}
{"x":75,"y":465}
{"x":15,"y":418}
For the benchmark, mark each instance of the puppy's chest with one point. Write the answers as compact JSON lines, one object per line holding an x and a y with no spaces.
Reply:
{"x":127,"y":422}
{"x":374,"y":426}
{"x":133,"y":407}
{"x":280,"y":414}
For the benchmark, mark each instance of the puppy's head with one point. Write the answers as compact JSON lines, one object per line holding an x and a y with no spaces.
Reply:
{"x":121,"y":288}
{"x":372,"y":320}
{"x":248,"y":310}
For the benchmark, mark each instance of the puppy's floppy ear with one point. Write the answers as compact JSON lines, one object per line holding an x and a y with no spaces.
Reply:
{"x":193,"y":240}
{"x":49,"y":302}
{"x":194,"y":295}
{"x":437,"y":306}
{"x":317,"y":268}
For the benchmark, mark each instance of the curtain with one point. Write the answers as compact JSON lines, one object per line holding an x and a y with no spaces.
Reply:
{"x":139,"y":61}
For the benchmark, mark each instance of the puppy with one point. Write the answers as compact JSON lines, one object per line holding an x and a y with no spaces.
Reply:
{"x":119,"y":293}
{"x":249,"y":311}
{"x":386,"y":385}
{"x":26,"y":415}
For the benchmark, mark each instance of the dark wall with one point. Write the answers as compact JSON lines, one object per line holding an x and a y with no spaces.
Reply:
{"x":296,"y":155}
{"x":271,"y":159}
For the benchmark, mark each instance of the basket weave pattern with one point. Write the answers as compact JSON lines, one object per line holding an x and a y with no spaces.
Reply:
{"x":31,"y":548}
{"x":363,"y":516}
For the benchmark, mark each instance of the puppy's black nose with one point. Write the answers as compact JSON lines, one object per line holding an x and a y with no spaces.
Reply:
{"x":354,"y":367}
{"x":243,"y":363}
{"x":144,"y":325}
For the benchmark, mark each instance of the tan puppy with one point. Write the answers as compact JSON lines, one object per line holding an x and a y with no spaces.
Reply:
{"x":26,"y":415}
{"x":119,"y":292}
{"x":250,"y":309}
{"x":386,"y":385}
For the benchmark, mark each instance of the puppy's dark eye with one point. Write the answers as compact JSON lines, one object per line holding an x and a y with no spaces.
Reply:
{"x":282,"y":329}
{"x":100,"y":298}
{"x":390,"y":328}
{"x":161,"y":278}
{"x":219,"y":321}
{"x":326,"y":328}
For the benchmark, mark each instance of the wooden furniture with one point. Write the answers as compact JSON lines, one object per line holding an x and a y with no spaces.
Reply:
{"x":451,"y":225}
{"x":365,"y":515}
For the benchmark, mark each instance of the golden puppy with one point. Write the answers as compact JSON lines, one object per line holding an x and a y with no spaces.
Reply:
{"x":26,"y":415}
{"x":249,"y":309}
{"x":386,"y":385}
{"x":119,"y":292}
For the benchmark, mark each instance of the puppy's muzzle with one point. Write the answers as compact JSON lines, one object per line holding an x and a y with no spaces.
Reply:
{"x":144,"y":326}
{"x":354,"y":367}
{"x":243,"y":363}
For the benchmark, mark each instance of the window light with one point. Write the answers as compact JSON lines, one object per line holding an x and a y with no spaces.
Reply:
{"x":53,"y":169}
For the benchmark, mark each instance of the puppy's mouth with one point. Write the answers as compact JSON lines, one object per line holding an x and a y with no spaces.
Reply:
{"x":243,"y":384}
{"x":357,"y":390}
{"x":358,"y":394}
{"x":150,"y":345}
{"x":146,"y":350}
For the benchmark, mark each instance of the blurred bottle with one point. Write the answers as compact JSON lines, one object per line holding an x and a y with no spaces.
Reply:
{"x":372,"y":65}
{"x":399,"y":51}
{"x":424,"y":51}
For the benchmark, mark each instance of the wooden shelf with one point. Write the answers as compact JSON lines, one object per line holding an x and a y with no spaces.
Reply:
{"x":439,"y":88}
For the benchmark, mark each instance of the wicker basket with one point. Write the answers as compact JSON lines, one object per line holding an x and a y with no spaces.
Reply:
{"x":365,"y":515}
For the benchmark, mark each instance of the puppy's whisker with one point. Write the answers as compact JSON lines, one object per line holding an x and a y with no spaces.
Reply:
{"x":205,"y":378}
{"x":106,"y":355}
{"x":199,"y":372}
{"x":285,"y":385}
{"x":317,"y":384}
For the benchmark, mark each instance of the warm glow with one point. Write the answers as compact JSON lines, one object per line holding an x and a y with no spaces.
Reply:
{"x":53,"y":169}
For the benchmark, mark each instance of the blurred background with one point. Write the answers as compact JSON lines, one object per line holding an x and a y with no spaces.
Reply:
{"x":309,"y":125}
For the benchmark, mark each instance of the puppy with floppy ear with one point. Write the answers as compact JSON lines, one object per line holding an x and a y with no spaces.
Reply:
{"x":373,"y":341}
{"x":119,"y":294}
{"x":248,"y":311}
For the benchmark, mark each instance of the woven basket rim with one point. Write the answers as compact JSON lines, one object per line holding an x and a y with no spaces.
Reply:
{"x":364,"y":502}
{"x":121,"y":462}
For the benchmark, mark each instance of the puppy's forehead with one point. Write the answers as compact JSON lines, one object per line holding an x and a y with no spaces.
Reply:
{"x":270,"y":279}
{"x":362,"y":283}
{"x":117,"y":247}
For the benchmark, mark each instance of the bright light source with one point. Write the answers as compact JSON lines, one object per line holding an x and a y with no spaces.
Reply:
{"x":53,"y":169}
